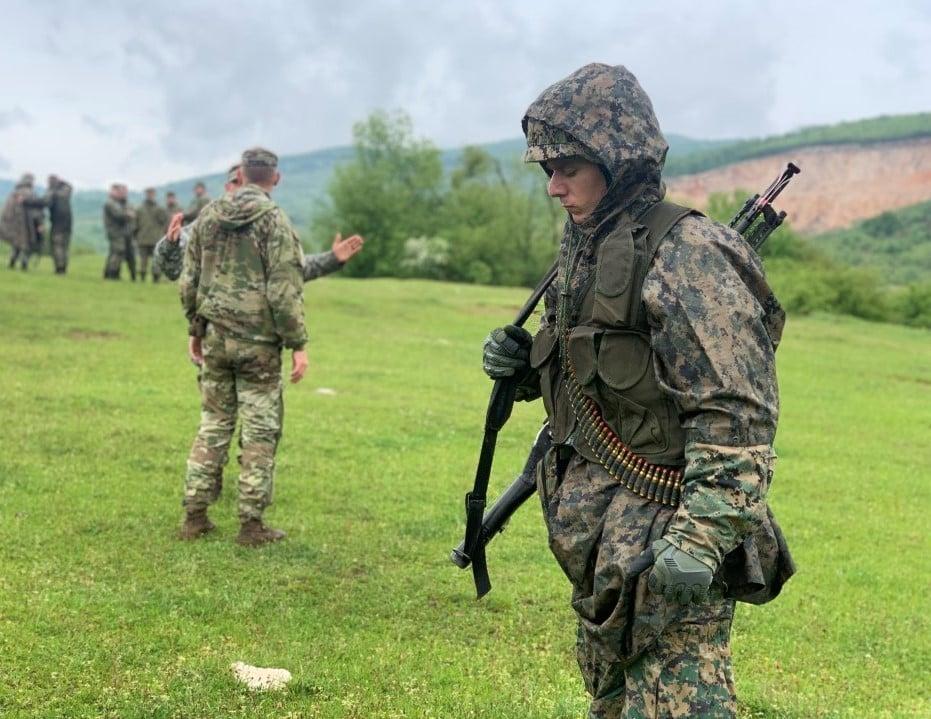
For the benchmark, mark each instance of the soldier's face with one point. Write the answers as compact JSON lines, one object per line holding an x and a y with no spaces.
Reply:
{"x":578,"y":184}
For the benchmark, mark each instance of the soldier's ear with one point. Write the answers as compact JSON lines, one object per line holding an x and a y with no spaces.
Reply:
{"x":277,"y":178}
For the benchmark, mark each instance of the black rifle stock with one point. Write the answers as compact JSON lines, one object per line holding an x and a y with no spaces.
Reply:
{"x":755,"y":221}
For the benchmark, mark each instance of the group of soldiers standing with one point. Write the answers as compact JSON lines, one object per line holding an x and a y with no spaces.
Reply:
{"x":133,"y":232}
{"x":22,"y":223}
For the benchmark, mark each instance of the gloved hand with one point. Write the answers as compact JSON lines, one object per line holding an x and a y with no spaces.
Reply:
{"x":507,"y":352}
{"x":678,"y":576}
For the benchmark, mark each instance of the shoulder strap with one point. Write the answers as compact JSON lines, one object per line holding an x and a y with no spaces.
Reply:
{"x":661,"y":218}
{"x":658,"y":220}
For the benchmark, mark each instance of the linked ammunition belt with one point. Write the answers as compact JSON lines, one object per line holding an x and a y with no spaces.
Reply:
{"x":651,"y":481}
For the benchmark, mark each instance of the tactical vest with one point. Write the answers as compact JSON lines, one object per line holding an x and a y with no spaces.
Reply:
{"x":610,"y":352}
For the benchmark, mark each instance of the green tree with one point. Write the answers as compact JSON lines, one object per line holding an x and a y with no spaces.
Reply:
{"x":389,"y":192}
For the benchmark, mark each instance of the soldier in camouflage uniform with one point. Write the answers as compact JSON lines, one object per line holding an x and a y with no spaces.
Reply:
{"x":242,"y":293}
{"x":200,"y":201}
{"x":171,"y":204}
{"x":659,"y":332}
{"x":57,"y":199}
{"x":169,"y":252}
{"x":151,"y":221}
{"x":21,"y":222}
{"x":119,"y":223}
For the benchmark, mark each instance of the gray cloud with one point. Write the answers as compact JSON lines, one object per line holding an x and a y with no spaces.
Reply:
{"x":16,"y":116}
{"x":101,"y":128}
{"x":194,"y":83}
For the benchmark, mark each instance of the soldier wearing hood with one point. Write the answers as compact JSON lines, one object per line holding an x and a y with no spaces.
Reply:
{"x":21,"y":222}
{"x":242,"y":293}
{"x":655,"y":362}
{"x":169,"y":251}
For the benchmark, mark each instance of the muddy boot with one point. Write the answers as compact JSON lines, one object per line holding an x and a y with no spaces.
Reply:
{"x":195,"y":525}
{"x":253,"y":533}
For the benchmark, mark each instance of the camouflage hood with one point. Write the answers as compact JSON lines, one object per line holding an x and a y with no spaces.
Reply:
{"x":601,"y":112}
{"x":248,"y":204}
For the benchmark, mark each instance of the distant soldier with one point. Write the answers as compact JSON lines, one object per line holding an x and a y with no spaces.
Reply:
{"x":200,"y":201}
{"x":21,"y":222}
{"x":171,"y":203}
{"x":119,"y":221}
{"x":151,"y":221}
{"x":57,"y":199}
{"x":242,"y":293}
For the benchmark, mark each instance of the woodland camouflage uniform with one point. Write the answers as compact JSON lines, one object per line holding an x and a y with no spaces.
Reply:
{"x":700,"y":397}
{"x":57,"y":199}
{"x":242,"y":277}
{"x":21,"y":216}
{"x":151,"y":221}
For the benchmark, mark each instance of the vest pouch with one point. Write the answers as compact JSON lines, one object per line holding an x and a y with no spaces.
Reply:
{"x":613,"y":296}
{"x":625,"y":388}
{"x":582,"y":353}
{"x":543,"y":344}
{"x":543,"y":358}
{"x":623,"y":359}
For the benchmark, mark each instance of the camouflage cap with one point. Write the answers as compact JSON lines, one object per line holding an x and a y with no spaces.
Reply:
{"x":545,"y":142}
{"x":233,"y":173}
{"x":259,"y":157}
{"x":27,"y":179}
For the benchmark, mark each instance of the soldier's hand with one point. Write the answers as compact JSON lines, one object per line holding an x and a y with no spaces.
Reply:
{"x":173,"y":234}
{"x":298,"y":365}
{"x":195,"y":350}
{"x":506,"y":352}
{"x":344,"y":250}
{"x":678,"y":576}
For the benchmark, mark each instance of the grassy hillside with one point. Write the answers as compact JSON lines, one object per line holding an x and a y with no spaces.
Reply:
{"x":104,"y":614}
{"x":877,"y":129}
{"x":896,"y":244}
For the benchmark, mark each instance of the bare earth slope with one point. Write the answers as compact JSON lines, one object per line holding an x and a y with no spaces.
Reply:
{"x":839,"y":184}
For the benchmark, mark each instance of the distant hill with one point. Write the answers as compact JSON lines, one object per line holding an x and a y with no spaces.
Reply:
{"x":877,"y":129}
{"x":896,"y":244}
{"x":840,"y":184}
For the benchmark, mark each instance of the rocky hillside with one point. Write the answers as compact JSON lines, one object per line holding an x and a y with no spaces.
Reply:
{"x":839,"y":185}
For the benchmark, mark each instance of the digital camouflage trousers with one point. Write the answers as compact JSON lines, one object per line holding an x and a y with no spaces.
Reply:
{"x":641,"y":658}
{"x":238,"y":379}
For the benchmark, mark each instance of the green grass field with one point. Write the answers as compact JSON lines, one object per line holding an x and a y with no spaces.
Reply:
{"x":103,"y":613}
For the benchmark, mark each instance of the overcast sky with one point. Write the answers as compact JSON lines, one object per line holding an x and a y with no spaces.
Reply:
{"x":153,"y":91}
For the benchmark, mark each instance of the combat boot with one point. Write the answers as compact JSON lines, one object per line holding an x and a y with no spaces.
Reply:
{"x":196,"y":524}
{"x":254,"y":533}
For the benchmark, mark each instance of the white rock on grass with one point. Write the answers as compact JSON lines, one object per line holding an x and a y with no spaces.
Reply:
{"x":261,"y":679}
{"x":326,"y":391}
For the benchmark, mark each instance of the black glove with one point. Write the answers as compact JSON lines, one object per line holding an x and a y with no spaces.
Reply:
{"x":678,"y":576}
{"x":507,"y":352}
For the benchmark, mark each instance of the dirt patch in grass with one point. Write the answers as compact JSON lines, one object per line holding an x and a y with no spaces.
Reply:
{"x":82,"y":334}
